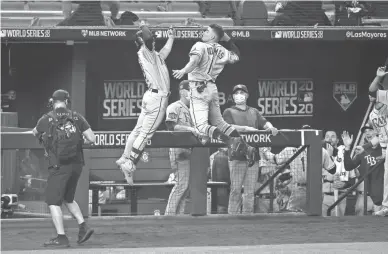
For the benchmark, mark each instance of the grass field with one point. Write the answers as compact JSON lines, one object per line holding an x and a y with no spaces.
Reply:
{"x":243,"y":234}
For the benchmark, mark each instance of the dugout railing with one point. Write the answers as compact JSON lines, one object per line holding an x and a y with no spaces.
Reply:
{"x":199,"y":162}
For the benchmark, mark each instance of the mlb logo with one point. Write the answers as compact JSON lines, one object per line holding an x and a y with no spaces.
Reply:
{"x":3,"y":33}
{"x":158,"y":34}
{"x":276,"y":34}
{"x":345,"y":93}
{"x":84,"y":33}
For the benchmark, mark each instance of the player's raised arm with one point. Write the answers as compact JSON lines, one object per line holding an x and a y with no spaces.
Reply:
{"x":195,"y":54}
{"x":165,"y":51}
{"x":234,"y":52}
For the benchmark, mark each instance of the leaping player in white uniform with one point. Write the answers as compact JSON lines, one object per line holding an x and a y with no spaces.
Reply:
{"x":155,"y":99}
{"x":207,"y":60}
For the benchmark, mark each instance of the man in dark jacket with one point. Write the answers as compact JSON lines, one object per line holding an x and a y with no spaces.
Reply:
{"x":366,"y":161}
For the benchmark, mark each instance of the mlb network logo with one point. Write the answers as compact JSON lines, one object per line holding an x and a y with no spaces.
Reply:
{"x":3,"y":33}
{"x":276,"y":34}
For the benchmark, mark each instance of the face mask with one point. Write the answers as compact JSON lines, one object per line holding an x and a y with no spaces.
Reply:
{"x":375,"y":141}
{"x":239,"y":98}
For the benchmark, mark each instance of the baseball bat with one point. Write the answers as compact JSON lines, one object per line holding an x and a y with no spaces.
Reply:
{"x":360,"y":134}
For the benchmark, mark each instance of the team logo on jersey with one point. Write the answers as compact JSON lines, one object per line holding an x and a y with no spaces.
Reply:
{"x":345,"y":93}
{"x":339,"y":159}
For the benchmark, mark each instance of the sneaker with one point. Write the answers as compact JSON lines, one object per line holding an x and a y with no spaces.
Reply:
{"x":383,"y":212}
{"x":59,"y":241}
{"x":127,"y":168}
{"x":84,"y":234}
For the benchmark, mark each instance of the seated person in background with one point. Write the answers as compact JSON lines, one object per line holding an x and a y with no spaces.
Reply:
{"x":250,"y":13}
{"x":349,"y":13}
{"x":215,"y":9}
{"x":219,"y":172}
{"x":365,"y":161}
{"x":300,"y":13}
{"x":88,"y":13}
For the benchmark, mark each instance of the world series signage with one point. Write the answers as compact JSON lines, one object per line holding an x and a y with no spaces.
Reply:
{"x":285,"y":97}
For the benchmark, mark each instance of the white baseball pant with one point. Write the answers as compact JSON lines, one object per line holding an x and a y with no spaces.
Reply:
{"x":242,"y":175}
{"x":205,"y":108}
{"x":179,"y":193}
{"x":152,"y":115}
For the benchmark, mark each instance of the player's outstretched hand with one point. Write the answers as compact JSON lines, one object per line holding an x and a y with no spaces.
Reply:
{"x":178,"y":74}
{"x":274,"y":131}
{"x":171,"y":32}
{"x":347,"y":139}
{"x":381,"y":72}
{"x":329,"y":149}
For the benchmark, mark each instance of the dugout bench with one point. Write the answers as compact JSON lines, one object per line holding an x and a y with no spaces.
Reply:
{"x":132,"y":190}
{"x":199,"y":161}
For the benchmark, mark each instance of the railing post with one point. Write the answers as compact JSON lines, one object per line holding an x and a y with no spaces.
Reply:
{"x":82,"y":193}
{"x":314,"y":172}
{"x":198,"y":180}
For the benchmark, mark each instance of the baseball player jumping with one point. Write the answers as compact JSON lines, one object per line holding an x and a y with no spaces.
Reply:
{"x":178,"y":119}
{"x":154,"y":101}
{"x":207,"y":60}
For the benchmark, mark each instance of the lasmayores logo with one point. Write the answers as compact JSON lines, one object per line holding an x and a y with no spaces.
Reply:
{"x":365,"y":34}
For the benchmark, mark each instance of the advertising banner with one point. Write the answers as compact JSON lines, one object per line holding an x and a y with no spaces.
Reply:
{"x":285,"y":97}
{"x":187,"y":33}
{"x":122,"y":99}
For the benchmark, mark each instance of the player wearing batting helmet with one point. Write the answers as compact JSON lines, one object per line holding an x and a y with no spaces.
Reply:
{"x":244,"y":119}
{"x":155,"y":99}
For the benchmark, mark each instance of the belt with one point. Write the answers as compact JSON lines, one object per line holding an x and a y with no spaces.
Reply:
{"x":301,"y":184}
{"x":267,"y":196}
{"x":327,"y":181}
{"x":361,"y":192}
{"x":152,"y":90}
{"x":329,"y":193}
{"x":53,"y":167}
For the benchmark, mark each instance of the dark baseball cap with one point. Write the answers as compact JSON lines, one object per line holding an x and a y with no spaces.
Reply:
{"x":185,"y":84}
{"x":240,"y":87}
{"x":306,"y":127}
{"x":366,"y":127}
{"x":60,"y":95}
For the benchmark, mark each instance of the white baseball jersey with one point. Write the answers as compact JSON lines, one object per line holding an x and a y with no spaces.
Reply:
{"x":378,"y":120}
{"x":340,"y":165}
{"x":213,"y":58}
{"x":154,"y":69}
{"x":178,"y":113}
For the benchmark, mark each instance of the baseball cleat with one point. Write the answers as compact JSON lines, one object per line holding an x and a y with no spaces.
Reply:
{"x":121,"y":161}
{"x":383,"y":212}
{"x":127,"y":168}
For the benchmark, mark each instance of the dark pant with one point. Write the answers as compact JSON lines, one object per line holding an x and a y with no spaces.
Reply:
{"x":62,"y":184}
